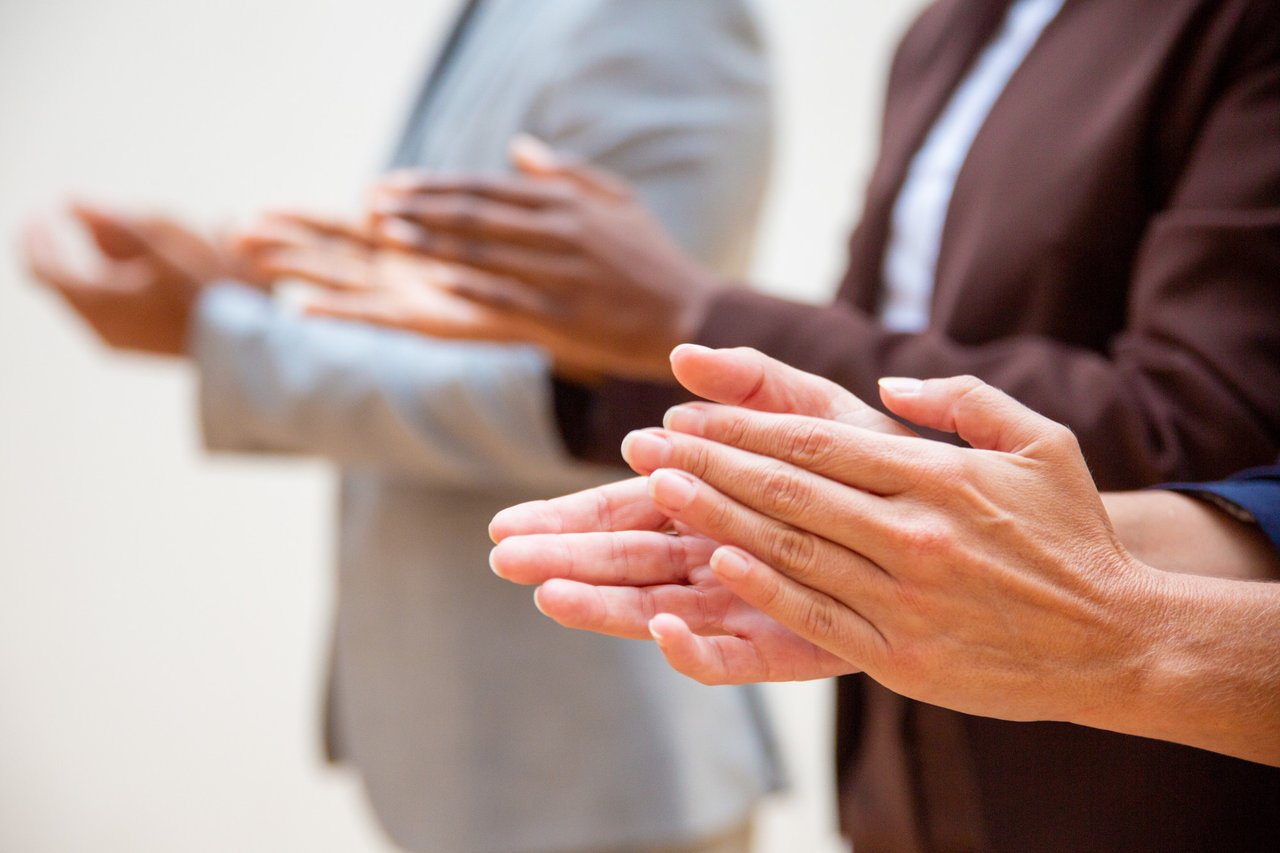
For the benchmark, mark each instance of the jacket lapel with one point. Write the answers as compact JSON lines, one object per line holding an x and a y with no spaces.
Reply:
{"x":932,"y":60}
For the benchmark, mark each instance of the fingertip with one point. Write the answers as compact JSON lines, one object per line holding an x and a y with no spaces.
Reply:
{"x":682,"y":350}
{"x":662,"y":627}
{"x":497,"y":527}
{"x":504,"y":559}
{"x":729,"y":563}
{"x":532,"y":154}
{"x":672,"y":489}
{"x":900,"y":386}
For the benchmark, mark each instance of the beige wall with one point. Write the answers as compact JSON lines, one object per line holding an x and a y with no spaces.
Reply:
{"x":163,"y":615}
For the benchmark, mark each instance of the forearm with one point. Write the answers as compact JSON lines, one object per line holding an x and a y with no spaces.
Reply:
{"x":1210,"y":668}
{"x":1186,"y":535}
{"x":464,"y":415}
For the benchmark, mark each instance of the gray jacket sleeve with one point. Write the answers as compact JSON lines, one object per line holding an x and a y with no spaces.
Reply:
{"x":676,"y":102}
{"x":466,"y":415}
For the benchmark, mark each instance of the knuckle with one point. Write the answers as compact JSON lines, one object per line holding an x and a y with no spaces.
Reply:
{"x":818,"y":616}
{"x":943,"y":469}
{"x":463,"y":212}
{"x":927,"y":540}
{"x":1063,"y":440}
{"x":733,"y":428}
{"x":694,"y":456}
{"x":909,"y":661}
{"x":784,"y":492}
{"x":793,"y":549}
{"x":808,"y":442}
{"x":720,"y":518}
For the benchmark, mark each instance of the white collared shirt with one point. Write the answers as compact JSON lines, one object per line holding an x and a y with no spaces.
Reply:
{"x":920,"y":212}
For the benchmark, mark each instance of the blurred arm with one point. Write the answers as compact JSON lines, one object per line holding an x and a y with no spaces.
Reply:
{"x":677,"y":104}
{"x":456,"y":414}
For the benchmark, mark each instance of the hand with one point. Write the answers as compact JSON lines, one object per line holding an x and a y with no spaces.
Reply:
{"x":567,"y":248}
{"x":609,"y":559}
{"x":365,"y":282}
{"x":986,"y":580}
{"x":148,"y":274}
{"x":615,"y":560}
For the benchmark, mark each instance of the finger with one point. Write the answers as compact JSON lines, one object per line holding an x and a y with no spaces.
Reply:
{"x":46,"y":264}
{"x":534,"y":157}
{"x":331,"y":227}
{"x":800,"y":554}
{"x":502,"y":293}
{"x":740,"y":660}
{"x":163,"y":247}
{"x":626,"y":611}
{"x":334,"y":269}
{"x":480,"y":219}
{"x":985,"y":417}
{"x":515,"y":190}
{"x":542,"y":270}
{"x":786,"y":459}
{"x":861,"y":458}
{"x":746,"y":377}
{"x":427,"y":310}
{"x":271,"y":232}
{"x":371,"y":307}
{"x":833,"y":624}
{"x":108,"y":231}
{"x":623,"y":558}
{"x":624,"y":505}
{"x":710,"y":660}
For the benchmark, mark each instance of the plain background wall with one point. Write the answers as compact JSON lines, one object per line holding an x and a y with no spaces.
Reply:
{"x":163,"y":615}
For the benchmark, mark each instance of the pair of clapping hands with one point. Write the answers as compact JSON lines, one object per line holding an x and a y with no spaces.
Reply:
{"x":787,"y":531}
{"x":560,"y":254}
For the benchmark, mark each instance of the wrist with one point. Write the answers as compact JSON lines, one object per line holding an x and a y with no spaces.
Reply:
{"x":1139,"y":608}
{"x":1168,"y":672}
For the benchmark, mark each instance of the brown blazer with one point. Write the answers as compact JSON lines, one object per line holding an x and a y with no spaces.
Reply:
{"x":1111,"y":258}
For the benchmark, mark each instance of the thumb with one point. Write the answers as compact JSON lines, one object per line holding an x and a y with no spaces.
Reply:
{"x":746,"y":377}
{"x":983,"y":416}
{"x":536,"y":158}
{"x":110,"y":231}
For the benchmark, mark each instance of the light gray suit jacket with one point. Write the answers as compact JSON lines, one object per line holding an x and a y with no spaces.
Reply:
{"x":477,"y":724}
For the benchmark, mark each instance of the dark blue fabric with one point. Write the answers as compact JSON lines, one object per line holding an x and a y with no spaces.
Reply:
{"x":1257,"y":491}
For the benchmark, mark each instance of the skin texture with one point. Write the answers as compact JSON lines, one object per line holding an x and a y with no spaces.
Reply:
{"x":986,"y":579}
{"x":563,"y":249}
{"x":359,"y":278}
{"x":148,"y":273}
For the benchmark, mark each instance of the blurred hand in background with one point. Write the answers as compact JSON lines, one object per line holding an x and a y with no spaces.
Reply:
{"x":562,"y":249}
{"x":144,"y":279}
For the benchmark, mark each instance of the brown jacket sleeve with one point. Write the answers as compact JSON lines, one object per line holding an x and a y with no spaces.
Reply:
{"x":1188,"y":387}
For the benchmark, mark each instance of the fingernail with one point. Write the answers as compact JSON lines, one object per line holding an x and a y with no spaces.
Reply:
{"x":493,"y":565}
{"x":728,"y":563}
{"x":646,"y":449}
{"x":689,"y":348}
{"x":655,"y":632}
{"x":687,"y":419}
{"x":533,"y":151}
{"x":901,"y":385}
{"x":537,"y":603}
{"x":673,"y":490}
